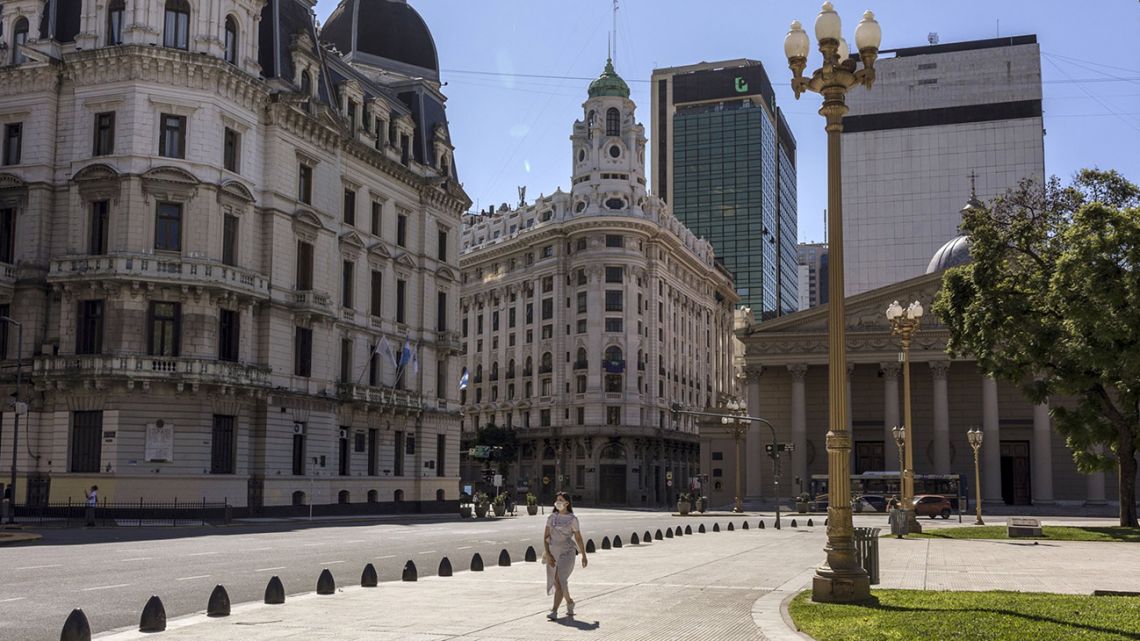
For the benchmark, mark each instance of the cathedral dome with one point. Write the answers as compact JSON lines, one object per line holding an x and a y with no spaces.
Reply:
{"x":956,"y":251}
{"x":609,"y":83}
{"x":387,"y":29}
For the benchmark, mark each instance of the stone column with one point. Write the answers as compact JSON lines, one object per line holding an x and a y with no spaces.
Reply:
{"x":1042,"y":461}
{"x":939,"y":371}
{"x":799,"y":428}
{"x":890,"y":414}
{"x":754,"y":459}
{"x":991,"y":444}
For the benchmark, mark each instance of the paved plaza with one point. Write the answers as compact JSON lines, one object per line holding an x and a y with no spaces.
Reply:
{"x":726,"y":585}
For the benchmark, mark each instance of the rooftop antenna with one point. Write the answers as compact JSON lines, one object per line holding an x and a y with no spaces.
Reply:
{"x":613,"y":50}
{"x":973,"y":190}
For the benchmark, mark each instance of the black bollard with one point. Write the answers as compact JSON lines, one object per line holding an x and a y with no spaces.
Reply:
{"x":744,"y":525}
{"x":219,"y":603}
{"x":504,"y":559}
{"x":530,"y":557}
{"x":688,"y":529}
{"x":590,"y":546}
{"x":716,"y":527}
{"x":701,"y":529}
{"x":810,"y":524}
{"x":153,"y":617}
{"x":325,"y":583}
{"x":760,"y":525}
{"x":76,"y":627}
{"x":730,"y":528}
{"x":668,"y":533}
{"x":476,"y":563}
{"x":647,"y":538}
{"x":794,"y":523}
{"x":605,"y":542}
{"x":274,"y":592}
{"x":678,"y":531}
{"x":410,"y":573}
{"x":444,"y":567}
{"x":658,"y":535}
{"x":617,"y":541}
{"x":633,"y":540}
{"x":368,"y":578}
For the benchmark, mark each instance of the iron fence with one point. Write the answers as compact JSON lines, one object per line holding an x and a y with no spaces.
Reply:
{"x":126,"y":513}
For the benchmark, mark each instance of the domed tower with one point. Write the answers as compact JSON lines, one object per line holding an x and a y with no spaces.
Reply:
{"x":386,"y":34}
{"x":609,"y":150}
{"x":956,"y":251}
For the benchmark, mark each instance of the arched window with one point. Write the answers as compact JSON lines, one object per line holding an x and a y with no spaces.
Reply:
{"x":495,"y":371}
{"x":613,"y":451}
{"x":591,"y":120}
{"x":231,"y":40}
{"x":613,"y":122}
{"x":115,"y":12}
{"x":342,"y":497}
{"x":511,"y":369}
{"x":373,"y":496}
{"x":613,"y":366}
{"x":176,"y":25}
{"x":19,"y":37}
{"x":440,"y":495}
{"x":613,"y":355}
{"x":479,"y":373}
{"x":547,"y":362}
{"x":398,"y":496}
{"x":306,"y":83}
{"x":298,"y":498}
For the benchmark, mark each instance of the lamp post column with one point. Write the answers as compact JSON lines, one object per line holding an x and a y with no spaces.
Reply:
{"x":908,"y":427}
{"x":974,"y":436}
{"x":737,"y":433}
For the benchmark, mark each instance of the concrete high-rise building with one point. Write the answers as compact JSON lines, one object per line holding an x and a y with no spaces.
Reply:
{"x":812,"y":263}
{"x":724,"y":160}
{"x":209,"y":223}
{"x":586,"y":314}
{"x":938,"y":115}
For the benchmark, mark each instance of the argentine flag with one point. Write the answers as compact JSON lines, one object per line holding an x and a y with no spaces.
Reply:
{"x":463,"y":380}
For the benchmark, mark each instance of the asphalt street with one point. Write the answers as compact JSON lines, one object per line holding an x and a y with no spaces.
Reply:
{"x":111,"y":572}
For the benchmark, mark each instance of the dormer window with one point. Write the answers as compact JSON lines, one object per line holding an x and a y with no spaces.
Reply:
{"x":306,"y":84}
{"x":115,"y":22}
{"x":19,"y":37}
{"x":176,"y":25}
{"x":613,"y":122}
{"x":231,"y":53}
{"x":591,"y":118}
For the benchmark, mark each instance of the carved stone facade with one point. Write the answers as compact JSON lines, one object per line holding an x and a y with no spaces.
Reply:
{"x":586,"y":314}
{"x":214,"y":225}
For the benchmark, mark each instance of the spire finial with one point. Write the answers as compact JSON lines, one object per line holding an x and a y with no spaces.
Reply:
{"x":973,"y":187}
{"x":613,"y":46}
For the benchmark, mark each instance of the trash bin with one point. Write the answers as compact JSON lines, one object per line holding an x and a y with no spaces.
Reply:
{"x":897,"y":521}
{"x":867,"y":551}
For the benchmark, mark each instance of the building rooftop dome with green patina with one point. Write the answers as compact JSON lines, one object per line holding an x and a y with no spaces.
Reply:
{"x":609,"y":83}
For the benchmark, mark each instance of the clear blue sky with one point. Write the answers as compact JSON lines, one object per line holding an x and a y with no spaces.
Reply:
{"x":511,"y":130}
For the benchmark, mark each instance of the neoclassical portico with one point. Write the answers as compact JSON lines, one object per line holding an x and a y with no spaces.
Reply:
{"x":1023,"y":461}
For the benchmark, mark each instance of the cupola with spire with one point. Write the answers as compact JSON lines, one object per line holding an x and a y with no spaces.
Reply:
{"x":609,"y":83}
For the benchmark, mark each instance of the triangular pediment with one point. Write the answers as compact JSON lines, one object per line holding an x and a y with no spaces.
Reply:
{"x":378,"y":248}
{"x":406,"y":260}
{"x":352,"y":239}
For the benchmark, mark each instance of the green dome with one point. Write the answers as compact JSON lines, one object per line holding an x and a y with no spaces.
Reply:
{"x":609,"y":83}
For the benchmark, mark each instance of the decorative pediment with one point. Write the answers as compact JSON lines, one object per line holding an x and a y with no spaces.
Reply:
{"x":170,"y":183}
{"x":10,"y":181}
{"x":96,"y":172}
{"x":307,"y":218}
{"x":406,"y":260}
{"x":444,"y":273}
{"x":237,"y":190}
{"x":173,"y":175}
{"x":352,"y":240}
{"x":378,"y":248}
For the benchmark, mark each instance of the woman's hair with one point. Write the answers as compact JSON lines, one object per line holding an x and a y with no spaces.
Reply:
{"x":569,"y":503}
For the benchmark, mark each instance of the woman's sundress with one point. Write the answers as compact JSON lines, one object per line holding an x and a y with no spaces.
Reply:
{"x":562,"y":548}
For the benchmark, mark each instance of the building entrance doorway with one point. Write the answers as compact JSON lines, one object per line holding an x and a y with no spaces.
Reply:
{"x":869,"y":456}
{"x":611,"y":485}
{"x":1015,"y":488}
{"x":548,"y":484}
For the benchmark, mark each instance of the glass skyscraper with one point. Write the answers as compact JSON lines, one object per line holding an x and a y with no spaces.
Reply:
{"x":724,"y":159}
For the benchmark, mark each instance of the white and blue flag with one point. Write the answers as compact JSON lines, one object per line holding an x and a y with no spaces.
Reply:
{"x":463,"y":380}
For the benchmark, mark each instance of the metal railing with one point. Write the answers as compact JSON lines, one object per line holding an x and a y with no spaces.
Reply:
{"x":126,"y":513}
{"x":159,"y":268}
{"x":173,"y":369}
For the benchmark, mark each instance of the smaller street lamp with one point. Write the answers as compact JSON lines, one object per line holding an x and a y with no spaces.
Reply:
{"x":739,"y":426}
{"x":975,"y":438}
{"x":904,"y":323}
{"x":899,"y":433}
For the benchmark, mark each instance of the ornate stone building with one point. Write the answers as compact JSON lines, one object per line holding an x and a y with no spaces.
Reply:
{"x":210,"y":219}
{"x":586,"y":313}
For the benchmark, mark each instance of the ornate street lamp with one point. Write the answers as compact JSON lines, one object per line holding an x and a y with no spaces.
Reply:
{"x":904,"y":323}
{"x":840,"y":578}
{"x":739,"y":426}
{"x":975,"y":438}
{"x":899,"y":433}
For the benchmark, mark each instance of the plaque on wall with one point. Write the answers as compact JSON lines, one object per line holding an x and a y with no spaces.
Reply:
{"x":160,"y":441}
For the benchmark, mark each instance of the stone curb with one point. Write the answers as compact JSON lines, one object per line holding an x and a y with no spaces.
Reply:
{"x":7,"y":538}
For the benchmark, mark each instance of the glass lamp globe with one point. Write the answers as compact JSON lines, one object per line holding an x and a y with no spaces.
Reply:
{"x":796,"y":43}
{"x":827,"y":24}
{"x":868,"y":34}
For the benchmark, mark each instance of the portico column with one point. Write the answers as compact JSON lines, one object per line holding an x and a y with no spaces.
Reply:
{"x":939,"y":370}
{"x":890,"y":413}
{"x":1094,"y":489}
{"x":1042,"y":460}
{"x":754,"y":467}
{"x":991,"y":444}
{"x":799,"y":425}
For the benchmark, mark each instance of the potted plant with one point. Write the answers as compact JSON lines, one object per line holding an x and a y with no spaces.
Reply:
{"x":531,"y":504}
{"x":684,"y":504}
{"x":500,"y":504}
{"x":702,"y":504}
{"x":480,"y":505}
{"x":802,"y":503}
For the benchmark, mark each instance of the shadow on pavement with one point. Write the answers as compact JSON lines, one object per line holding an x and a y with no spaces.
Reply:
{"x":570,"y":622}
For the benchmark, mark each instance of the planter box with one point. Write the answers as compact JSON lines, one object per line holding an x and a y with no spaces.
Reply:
{"x":683,"y":507}
{"x":532,"y":509}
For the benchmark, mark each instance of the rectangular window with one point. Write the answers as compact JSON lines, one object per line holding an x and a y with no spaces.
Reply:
{"x":401,"y":287}
{"x":547,"y":332}
{"x":440,"y":454}
{"x":299,"y":463}
{"x":511,"y":314}
{"x":97,"y":229}
{"x":613,"y":274}
{"x":377,"y":302}
{"x":613,"y":325}
{"x":377,"y":218}
{"x":164,"y":328}
{"x":229,"y":239}
{"x":172,"y":141}
{"x":222,"y":446}
{"x":351,"y":114}
{"x":581,"y":325}
{"x":346,"y":376}
{"x":5,"y":310}
{"x":613,"y":300}
{"x":350,"y":206}
{"x":13,"y":142}
{"x":373,"y":450}
{"x":348,"y":271}
{"x":303,"y":352}
{"x":176,"y":31}
{"x":582,"y":280}
{"x":544,"y":418}
{"x":613,"y":416}
{"x":168,"y":227}
{"x":304,"y":266}
{"x":374,"y":366}
{"x":441,"y":246}
{"x":547,"y":308}
{"x":305,"y":184}
{"x":103,"y":142}
{"x":8,"y":236}
{"x":581,"y":302}
{"x":231,"y":151}
{"x":229,"y":335}
{"x":547,"y":284}
{"x":581,"y":415}
{"x":441,"y":312}
{"x":402,"y":230}
{"x":398,"y":454}
{"x":614,"y":240}
{"x":343,"y":453}
{"x":86,"y":442}
{"x":89,"y":329}
{"x":115,"y":23}
{"x":548,"y":251}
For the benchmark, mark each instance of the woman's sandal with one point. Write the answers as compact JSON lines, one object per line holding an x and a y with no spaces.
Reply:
{"x":570,"y":609}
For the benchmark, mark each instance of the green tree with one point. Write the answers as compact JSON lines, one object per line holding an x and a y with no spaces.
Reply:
{"x":1051,"y":302}
{"x":504,"y":440}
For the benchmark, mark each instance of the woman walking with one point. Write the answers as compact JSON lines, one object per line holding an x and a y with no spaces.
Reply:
{"x":560,"y":538}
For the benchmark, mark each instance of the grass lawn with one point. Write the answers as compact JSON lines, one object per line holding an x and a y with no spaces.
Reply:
{"x":905,"y":615}
{"x":1051,"y":532}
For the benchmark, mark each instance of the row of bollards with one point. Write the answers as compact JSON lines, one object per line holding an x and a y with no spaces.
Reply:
{"x":153,"y":618}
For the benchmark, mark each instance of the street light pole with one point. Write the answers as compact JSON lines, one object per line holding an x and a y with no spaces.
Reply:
{"x":20,"y":408}
{"x":841,"y":578}
{"x":739,"y":427}
{"x":975,"y":438}
{"x":904,"y":323}
{"x":900,"y":442}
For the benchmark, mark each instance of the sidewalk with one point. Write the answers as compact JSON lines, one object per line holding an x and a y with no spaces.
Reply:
{"x":17,"y":536}
{"x":726,"y":585}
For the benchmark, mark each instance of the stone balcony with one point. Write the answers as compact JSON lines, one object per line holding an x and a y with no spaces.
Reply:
{"x":311,"y":301}
{"x":384,"y":398}
{"x":51,"y":371}
{"x":160,"y":269}
{"x":7,"y":279}
{"x":448,"y":341}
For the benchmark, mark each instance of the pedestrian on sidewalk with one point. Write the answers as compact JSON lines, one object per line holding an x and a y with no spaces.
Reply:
{"x":92,"y":501}
{"x":559,"y":540}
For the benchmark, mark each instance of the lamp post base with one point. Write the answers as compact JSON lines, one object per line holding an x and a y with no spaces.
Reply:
{"x":912,"y":524}
{"x":831,"y":586}
{"x":979,"y":521}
